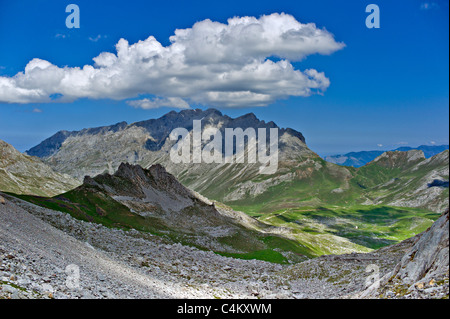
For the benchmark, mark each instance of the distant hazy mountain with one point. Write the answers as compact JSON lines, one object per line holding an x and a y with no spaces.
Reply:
{"x":358,"y":159}
{"x":22,"y":174}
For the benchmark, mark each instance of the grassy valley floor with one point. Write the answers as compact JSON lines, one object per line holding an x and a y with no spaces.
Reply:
{"x":338,"y":229}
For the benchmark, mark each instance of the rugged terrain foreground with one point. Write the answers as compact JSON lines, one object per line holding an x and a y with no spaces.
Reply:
{"x":37,"y":245}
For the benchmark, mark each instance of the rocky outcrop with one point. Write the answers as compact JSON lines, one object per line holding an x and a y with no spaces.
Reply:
{"x":423,"y":272}
{"x":429,"y":257}
{"x":155,"y":133}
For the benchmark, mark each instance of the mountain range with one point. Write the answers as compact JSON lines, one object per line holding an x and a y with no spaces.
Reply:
{"x":142,"y":143}
{"x":303,"y":178}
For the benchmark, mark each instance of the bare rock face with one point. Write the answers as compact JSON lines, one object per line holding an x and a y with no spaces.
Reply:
{"x":135,"y":181}
{"x":423,"y":272}
{"x":429,"y":257}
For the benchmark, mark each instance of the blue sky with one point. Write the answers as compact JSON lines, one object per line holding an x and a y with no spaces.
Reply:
{"x":388,"y":86}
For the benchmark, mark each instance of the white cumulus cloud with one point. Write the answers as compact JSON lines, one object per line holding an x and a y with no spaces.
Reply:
{"x":245,"y":62}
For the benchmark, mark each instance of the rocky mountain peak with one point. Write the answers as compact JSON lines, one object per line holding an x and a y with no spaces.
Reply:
{"x":429,"y":257}
{"x":158,"y":130}
{"x":6,"y":150}
{"x":424,"y":265}
{"x":100,"y":150}
{"x":156,"y":173}
{"x":249,"y":116}
{"x":130,"y":171}
{"x":134,"y":180}
{"x":212,"y":112}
